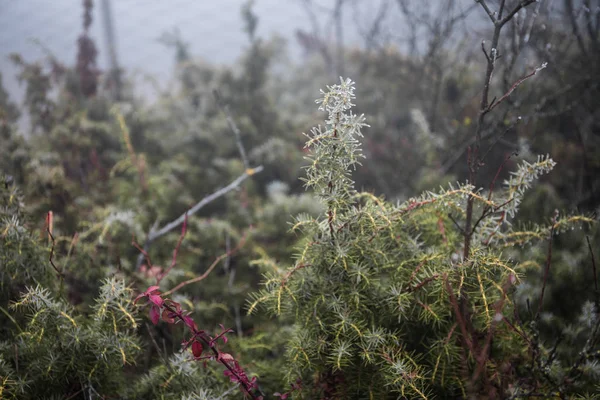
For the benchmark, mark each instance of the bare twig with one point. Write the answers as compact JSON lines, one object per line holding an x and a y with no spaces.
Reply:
{"x":210,"y":268}
{"x":143,"y":253}
{"x":232,"y":125}
{"x":487,"y":9}
{"x":232,"y":272}
{"x":548,"y":264}
{"x":587,"y":238}
{"x":175,"y":251}
{"x":460,"y":229}
{"x":51,"y":257}
{"x":518,"y":7}
{"x":574,"y":26}
{"x":158,"y":350}
{"x":515,"y":85}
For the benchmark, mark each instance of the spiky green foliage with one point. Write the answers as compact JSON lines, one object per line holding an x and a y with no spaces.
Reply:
{"x":109,"y":171}
{"x":22,"y":260}
{"x":58,"y":350}
{"x":378,"y":291}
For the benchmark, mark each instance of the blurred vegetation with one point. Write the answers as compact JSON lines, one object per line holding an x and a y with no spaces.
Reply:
{"x":90,"y":174}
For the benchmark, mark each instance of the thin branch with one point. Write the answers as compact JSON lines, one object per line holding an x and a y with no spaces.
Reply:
{"x":210,"y":268}
{"x":175,"y":251}
{"x":198,"y":334}
{"x":548,"y":264}
{"x":592,"y":30}
{"x":485,"y":53}
{"x":459,"y":317}
{"x":501,"y":9}
{"x":515,"y":85}
{"x":208,"y":199}
{"x":487,"y":9}
{"x":51,"y":257}
{"x":162,"y":355}
{"x":489,"y":209}
{"x":231,"y":270}
{"x":587,"y":238}
{"x":232,"y":125}
{"x":421,"y":284}
{"x":460,"y":229}
{"x":518,"y":7}
{"x":483,"y":355}
{"x":143,"y":253}
{"x":576,"y":32}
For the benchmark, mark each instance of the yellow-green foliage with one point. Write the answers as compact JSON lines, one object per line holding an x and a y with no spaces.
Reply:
{"x":378,"y":290}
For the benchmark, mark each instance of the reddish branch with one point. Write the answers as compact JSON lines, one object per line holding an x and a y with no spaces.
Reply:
{"x":422,"y":283}
{"x":499,"y":306}
{"x":211,"y":267}
{"x":175,"y":251}
{"x":170,"y":311}
{"x":462,"y":324}
{"x":292,"y":271}
{"x":515,"y":85}
{"x":200,"y":340}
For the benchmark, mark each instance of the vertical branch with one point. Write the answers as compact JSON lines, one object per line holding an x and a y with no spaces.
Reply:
{"x":231,"y":270}
{"x":462,"y":310}
{"x":548,"y":264}
{"x":597,"y":293}
{"x":111,"y":44}
{"x":339,"y":37}
{"x":236,"y":132}
{"x":474,"y":159}
{"x":175,"y":251}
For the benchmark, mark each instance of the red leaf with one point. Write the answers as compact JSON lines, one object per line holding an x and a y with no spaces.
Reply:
{"x":152,"y":289}
{"x":154,"y":314}
{"x":197,"y":349}
{"x":156,"y":299}
{"x":190,"y":323}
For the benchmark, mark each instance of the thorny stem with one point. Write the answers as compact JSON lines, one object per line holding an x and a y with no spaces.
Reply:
{"x":177,"y":313}
{"x":210,"y":344}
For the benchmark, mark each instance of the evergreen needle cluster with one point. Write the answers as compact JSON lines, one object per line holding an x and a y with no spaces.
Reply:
{"x":383,"y":302}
